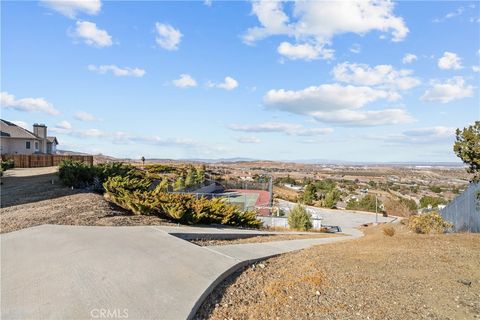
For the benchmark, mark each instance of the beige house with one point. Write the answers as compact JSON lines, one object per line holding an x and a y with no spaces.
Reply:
{"x":17,"y":140}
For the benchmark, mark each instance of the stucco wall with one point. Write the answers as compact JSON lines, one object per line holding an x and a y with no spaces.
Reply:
{"x":16,"y":146}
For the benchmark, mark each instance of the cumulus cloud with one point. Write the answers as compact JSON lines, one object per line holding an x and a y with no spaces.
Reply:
{"x":450,"y":61}
{"x":185,"y":81}
{"x":92,"y":35}
{"x":382,"y":75}
{"x":448,"y":91}
{"x":117,"y":71}
{"x":65,"y":125}
{"x":228,"y":83}
{"x":356,"y":118}
{"x":167,"y":36}
{"x":304,"y":51}
{"x":249,"y":139}
{"x":8,"y":101}
{"x":476,"y":68}
{"x":438,"y":134}
{"x":338,"y":104}
{"x":287,"y":128}
{"x":409,"y":58}
{"x":84,"y":116}
{"x":65,"y":128}
{"x":313,"y":24}
{"x":71,"y":8}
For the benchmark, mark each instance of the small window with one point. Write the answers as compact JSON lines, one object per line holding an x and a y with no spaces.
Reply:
{"x":36,"y":145}
{"x":27,"y":144}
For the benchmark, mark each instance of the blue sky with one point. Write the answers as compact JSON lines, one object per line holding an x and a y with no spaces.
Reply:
{"x":358,"y":81}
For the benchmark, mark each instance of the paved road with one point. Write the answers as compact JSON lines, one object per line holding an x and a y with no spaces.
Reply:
{"x":75,"y":272}
{"x":342,"y":218}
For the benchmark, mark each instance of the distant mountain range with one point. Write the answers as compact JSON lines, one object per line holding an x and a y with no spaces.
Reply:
{"x":301,"y":161}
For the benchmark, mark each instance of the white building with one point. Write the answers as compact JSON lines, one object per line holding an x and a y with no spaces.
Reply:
{"x":17,"y":140}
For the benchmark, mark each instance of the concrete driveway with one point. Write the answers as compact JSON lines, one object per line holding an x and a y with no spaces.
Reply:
{"x":342,"y":218}
{"x":75,"y":272}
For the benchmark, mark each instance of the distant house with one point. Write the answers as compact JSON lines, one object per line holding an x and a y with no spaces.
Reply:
{"x":17,"y":140}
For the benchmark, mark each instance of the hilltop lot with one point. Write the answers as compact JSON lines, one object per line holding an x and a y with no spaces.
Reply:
{"x":407,"y":276}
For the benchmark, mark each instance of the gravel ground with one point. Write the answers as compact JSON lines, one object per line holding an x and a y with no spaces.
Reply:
{"x":406,"y":276}
{"x":85,"y":209}
{"x":259,"y":239}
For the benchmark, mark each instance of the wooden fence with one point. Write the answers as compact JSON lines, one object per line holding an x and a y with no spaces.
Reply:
{"x":43,"y":160}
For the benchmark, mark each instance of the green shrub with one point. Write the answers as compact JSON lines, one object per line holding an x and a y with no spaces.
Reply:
{"x":134,"y":194}
{"x":426,"y":223}
{"x":299,"y":218}
{"x":367,"y":203}
{"x":80,"y":175}
{"x":7,"y":164}
{"x":76,"y":174}
{"x":425,"y":201}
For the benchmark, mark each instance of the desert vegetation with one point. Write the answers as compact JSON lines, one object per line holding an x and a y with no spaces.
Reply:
{"x":145,"y":192}
{"x":299,"y":218}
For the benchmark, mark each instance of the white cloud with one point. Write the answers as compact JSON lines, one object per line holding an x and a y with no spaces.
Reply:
{"x":117,"y":71}
{"x":304,"y":51}
{"x":91,"y":133}
{"x":449,"y":61}
{"x":22,"y":124}
{"x":356,"y":118}
{"x":313,"y":24}
{"x":382,"y":75}
{"x":287,"y":128}
{"x":185,"y":81}
{"x":91,"y":35}
{"x":458,"y":12}
{"x":250,"y":139}
{"x":476,"y":68}
{"x":409,"y":58}
{"x":65,"y":125}
{"x":71,"y":8}
{"x":126,"y":138}
{"x":450,"y":90}
{"x":428,"y":135}
{"x":167,"y":36}
{"x":325,"y":97}
{"x":208,"y":3}
{"x":228,"y":83}
{"x":8,"y":101}
{"x":338,"y":104}
{"x":355,"y":48}
{"x":84,"y":116}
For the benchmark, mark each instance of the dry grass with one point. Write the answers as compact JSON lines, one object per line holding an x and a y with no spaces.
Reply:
{"x":409,"y":276}
{"x":389,"y":231}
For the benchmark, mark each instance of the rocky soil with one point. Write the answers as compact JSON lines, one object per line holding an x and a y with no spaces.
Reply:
{"x":85,"y":209}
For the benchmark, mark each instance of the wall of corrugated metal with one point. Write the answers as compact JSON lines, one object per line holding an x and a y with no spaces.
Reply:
{"x":464,"y":210}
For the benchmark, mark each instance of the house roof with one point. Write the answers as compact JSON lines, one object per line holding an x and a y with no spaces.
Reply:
{"x":9,"y":129}
{"x":52,"y":140}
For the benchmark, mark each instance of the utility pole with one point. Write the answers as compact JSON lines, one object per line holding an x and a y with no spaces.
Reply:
{"x":270,"y":189}
{"x":376,"y":209}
